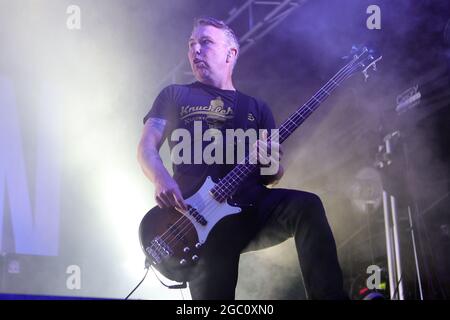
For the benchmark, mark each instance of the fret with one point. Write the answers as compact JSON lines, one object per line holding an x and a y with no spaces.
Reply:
{"x":289,"y":119}
{"x":316,"y":99}
{"x":327,"y":93}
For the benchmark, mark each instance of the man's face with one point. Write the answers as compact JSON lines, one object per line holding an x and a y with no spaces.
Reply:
{"x":208,"y":49}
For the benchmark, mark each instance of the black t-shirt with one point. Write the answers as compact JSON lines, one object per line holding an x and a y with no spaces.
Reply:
{"x":194,"y":105}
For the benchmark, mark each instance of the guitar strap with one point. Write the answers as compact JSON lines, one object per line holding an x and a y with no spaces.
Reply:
{"x":242,"y":106}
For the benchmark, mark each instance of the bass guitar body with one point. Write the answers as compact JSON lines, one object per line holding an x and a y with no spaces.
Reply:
{"x":173,"y":240}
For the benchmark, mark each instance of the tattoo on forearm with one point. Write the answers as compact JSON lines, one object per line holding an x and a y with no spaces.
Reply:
{"x":157,"y":123}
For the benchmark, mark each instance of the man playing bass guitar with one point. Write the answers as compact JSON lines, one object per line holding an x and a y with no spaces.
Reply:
{"x":269,"y":215}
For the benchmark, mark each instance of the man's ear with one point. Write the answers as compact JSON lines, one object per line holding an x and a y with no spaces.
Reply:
{"x":231,"y":52}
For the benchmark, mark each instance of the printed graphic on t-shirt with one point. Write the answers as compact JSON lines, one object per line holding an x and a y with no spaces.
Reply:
{"x":215,"y":115}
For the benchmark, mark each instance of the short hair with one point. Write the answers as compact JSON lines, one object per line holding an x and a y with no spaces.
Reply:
{"x":219,"y":24}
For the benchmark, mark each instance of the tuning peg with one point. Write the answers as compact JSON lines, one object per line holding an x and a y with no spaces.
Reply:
{"x":353,"y":50}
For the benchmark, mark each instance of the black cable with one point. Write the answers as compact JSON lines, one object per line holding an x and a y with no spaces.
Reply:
{"x":145,"y":275}
{"x":148,"y":265}
{"x":181,"y":285}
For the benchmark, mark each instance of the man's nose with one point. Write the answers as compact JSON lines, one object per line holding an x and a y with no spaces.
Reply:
{"x":196,"y":48}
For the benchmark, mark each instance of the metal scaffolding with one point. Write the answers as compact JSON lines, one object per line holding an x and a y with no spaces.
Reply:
{"x":271,"y":13}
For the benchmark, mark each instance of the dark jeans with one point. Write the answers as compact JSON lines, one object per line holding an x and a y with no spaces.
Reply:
{"x":279,"y":215}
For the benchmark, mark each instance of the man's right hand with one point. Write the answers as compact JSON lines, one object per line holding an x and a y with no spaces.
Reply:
{"x":168,"y":194}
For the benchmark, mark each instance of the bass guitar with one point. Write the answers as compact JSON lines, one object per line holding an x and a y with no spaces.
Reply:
{"x":173,"y":241}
